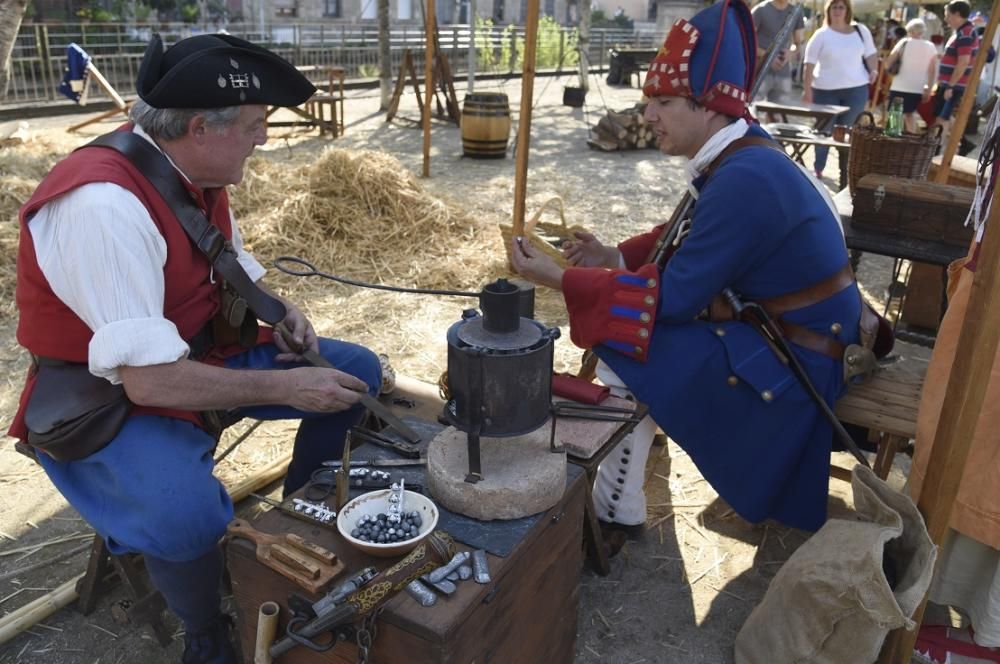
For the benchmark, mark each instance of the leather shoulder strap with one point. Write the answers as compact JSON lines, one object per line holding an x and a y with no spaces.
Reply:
{"x":739,"y":144}
{"x":209,"y":240}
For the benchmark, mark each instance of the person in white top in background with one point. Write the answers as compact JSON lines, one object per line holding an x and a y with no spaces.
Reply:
{"x":840,"y":63}
{"x":917,"y":70}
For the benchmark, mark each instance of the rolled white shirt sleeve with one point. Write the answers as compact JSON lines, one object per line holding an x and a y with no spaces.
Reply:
{"x":103,"y":256}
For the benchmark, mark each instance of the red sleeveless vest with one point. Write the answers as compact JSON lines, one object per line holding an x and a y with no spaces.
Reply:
{"x":48,"y":328}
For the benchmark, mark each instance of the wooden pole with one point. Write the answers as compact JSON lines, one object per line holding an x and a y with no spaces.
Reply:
{"x":30,"y":614}
{"x":965,"y":106}
{"x":583,"y":43}
{"x":963,"y":400}
{"x":524,"y":123}
{"x":431,"y":22}
{"x":472,"y":46}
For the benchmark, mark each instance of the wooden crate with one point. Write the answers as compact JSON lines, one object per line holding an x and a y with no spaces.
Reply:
{"x":526,"y":614}
{"x":913,"y":208}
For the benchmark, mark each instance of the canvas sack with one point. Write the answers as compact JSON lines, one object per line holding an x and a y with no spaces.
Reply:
{"x":831,"y":602}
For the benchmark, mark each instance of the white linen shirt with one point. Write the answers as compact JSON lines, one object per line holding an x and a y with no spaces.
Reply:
{"x":103,"y":256}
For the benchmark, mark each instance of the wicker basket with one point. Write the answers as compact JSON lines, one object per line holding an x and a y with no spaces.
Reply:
{"x":906,"y":156}
{"x":547,"y":236}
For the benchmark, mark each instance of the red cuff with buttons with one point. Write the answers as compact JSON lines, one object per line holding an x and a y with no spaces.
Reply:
{"x":615,"y":308}
{"x":635,"y":250}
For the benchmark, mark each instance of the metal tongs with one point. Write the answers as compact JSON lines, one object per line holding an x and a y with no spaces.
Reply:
{"x":594,"y":412}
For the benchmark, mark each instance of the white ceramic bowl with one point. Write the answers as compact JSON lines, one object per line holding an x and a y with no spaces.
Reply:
{"x":376,"y":502}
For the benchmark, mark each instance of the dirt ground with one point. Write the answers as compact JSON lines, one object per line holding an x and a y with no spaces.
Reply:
{"x":678,"y":594}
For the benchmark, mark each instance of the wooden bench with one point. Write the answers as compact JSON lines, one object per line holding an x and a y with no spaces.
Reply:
{"x":886,"y":406}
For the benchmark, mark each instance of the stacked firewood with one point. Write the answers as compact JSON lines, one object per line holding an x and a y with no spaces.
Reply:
{"x":622,"y":130}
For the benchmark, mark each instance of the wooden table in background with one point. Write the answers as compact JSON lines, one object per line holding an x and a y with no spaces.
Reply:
{"x":821,"y":114}
{"x":797,"y":145}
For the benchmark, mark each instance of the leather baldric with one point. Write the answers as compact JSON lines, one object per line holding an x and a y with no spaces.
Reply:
{"x":209,"y":240}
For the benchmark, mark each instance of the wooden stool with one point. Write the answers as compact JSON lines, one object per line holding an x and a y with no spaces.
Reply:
{"x":329,"y":113}
{"x":146,"y":605}
{"x":887,"y":407}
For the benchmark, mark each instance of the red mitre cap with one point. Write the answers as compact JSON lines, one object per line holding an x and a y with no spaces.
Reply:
{"x":710,"y":59}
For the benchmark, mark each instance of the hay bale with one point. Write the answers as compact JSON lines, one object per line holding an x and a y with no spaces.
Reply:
{"x":361,"y":214}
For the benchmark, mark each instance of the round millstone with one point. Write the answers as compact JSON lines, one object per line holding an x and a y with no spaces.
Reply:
{"x":521,"y":476}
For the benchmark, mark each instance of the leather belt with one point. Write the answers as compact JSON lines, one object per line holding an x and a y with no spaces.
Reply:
{"x":800,"y":299}
{"x":814,"y":341}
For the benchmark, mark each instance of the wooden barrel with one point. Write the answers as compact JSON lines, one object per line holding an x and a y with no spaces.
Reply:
{"x":485,"y":125}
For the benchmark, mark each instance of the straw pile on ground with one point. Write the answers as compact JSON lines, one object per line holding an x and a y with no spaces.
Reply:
{"x":23,"y":163}
{"x":361,"y":214}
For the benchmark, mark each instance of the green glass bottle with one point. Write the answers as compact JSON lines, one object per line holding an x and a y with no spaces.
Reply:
{"x":894,"y":118}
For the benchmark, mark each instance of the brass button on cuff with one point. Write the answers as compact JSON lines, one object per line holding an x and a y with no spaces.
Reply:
{"x":720,"y":331}
{"x":733,"y":380}
{"x":767,"y":396}
{"x":836,"y":328}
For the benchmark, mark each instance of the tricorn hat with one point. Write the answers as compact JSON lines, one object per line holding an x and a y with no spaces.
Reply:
{"x":710,"y":59}
{"x":213,"y":71}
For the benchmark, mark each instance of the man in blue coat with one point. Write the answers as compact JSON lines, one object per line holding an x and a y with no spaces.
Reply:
{"x":762,"y":227}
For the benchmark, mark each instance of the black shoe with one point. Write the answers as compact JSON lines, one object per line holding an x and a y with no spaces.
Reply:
{"x":613,"y":541}
{"x":212,"y":645}
{"x":630,"y":532}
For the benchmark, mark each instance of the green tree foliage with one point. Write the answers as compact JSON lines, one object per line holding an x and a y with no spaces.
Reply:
{"x":493,"y":50}
{"x":547,"y":53}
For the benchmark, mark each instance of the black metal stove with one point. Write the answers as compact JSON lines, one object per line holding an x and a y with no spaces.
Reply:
{"x":499,"y":369}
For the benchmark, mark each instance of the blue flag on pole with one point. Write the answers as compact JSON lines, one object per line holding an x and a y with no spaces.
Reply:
{"x":75,"y":74}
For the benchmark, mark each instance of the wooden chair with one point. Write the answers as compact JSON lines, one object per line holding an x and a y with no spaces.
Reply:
{"x":887,"y":407}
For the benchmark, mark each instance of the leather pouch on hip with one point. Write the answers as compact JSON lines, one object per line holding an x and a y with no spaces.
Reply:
{"x":234,"y":324}
{"x":72,"y":413}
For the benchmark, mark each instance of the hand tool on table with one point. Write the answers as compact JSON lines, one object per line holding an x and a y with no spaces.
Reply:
{"x":326,"y":481}
{"x":405,"y":448}
{"x":315,"y":516}
{"x":306,"y":564}
{"x":429,"y":554}
{"x":342,"y":475}
{"x":378,"y":463}
{"x":367,"y":400}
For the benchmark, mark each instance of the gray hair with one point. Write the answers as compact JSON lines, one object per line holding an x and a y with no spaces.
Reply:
{"x":172,"y":123}
{"x":916,"y":27}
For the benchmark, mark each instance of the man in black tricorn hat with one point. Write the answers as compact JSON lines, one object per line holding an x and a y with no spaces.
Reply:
{"x":112,"y":291}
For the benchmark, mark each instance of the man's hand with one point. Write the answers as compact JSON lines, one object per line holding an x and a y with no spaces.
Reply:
{"x":318,"y":390}
{"x":780,"y":60}
{"x":534,"y":265}
{"x":303,"y":337}
{"x":948,"y":92}
{"x":587,"y":251}
{"x":807,"y":95}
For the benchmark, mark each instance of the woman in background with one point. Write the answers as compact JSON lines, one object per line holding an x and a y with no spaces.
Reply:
{"x":840,"y":63}
{"x":917,"y":71}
